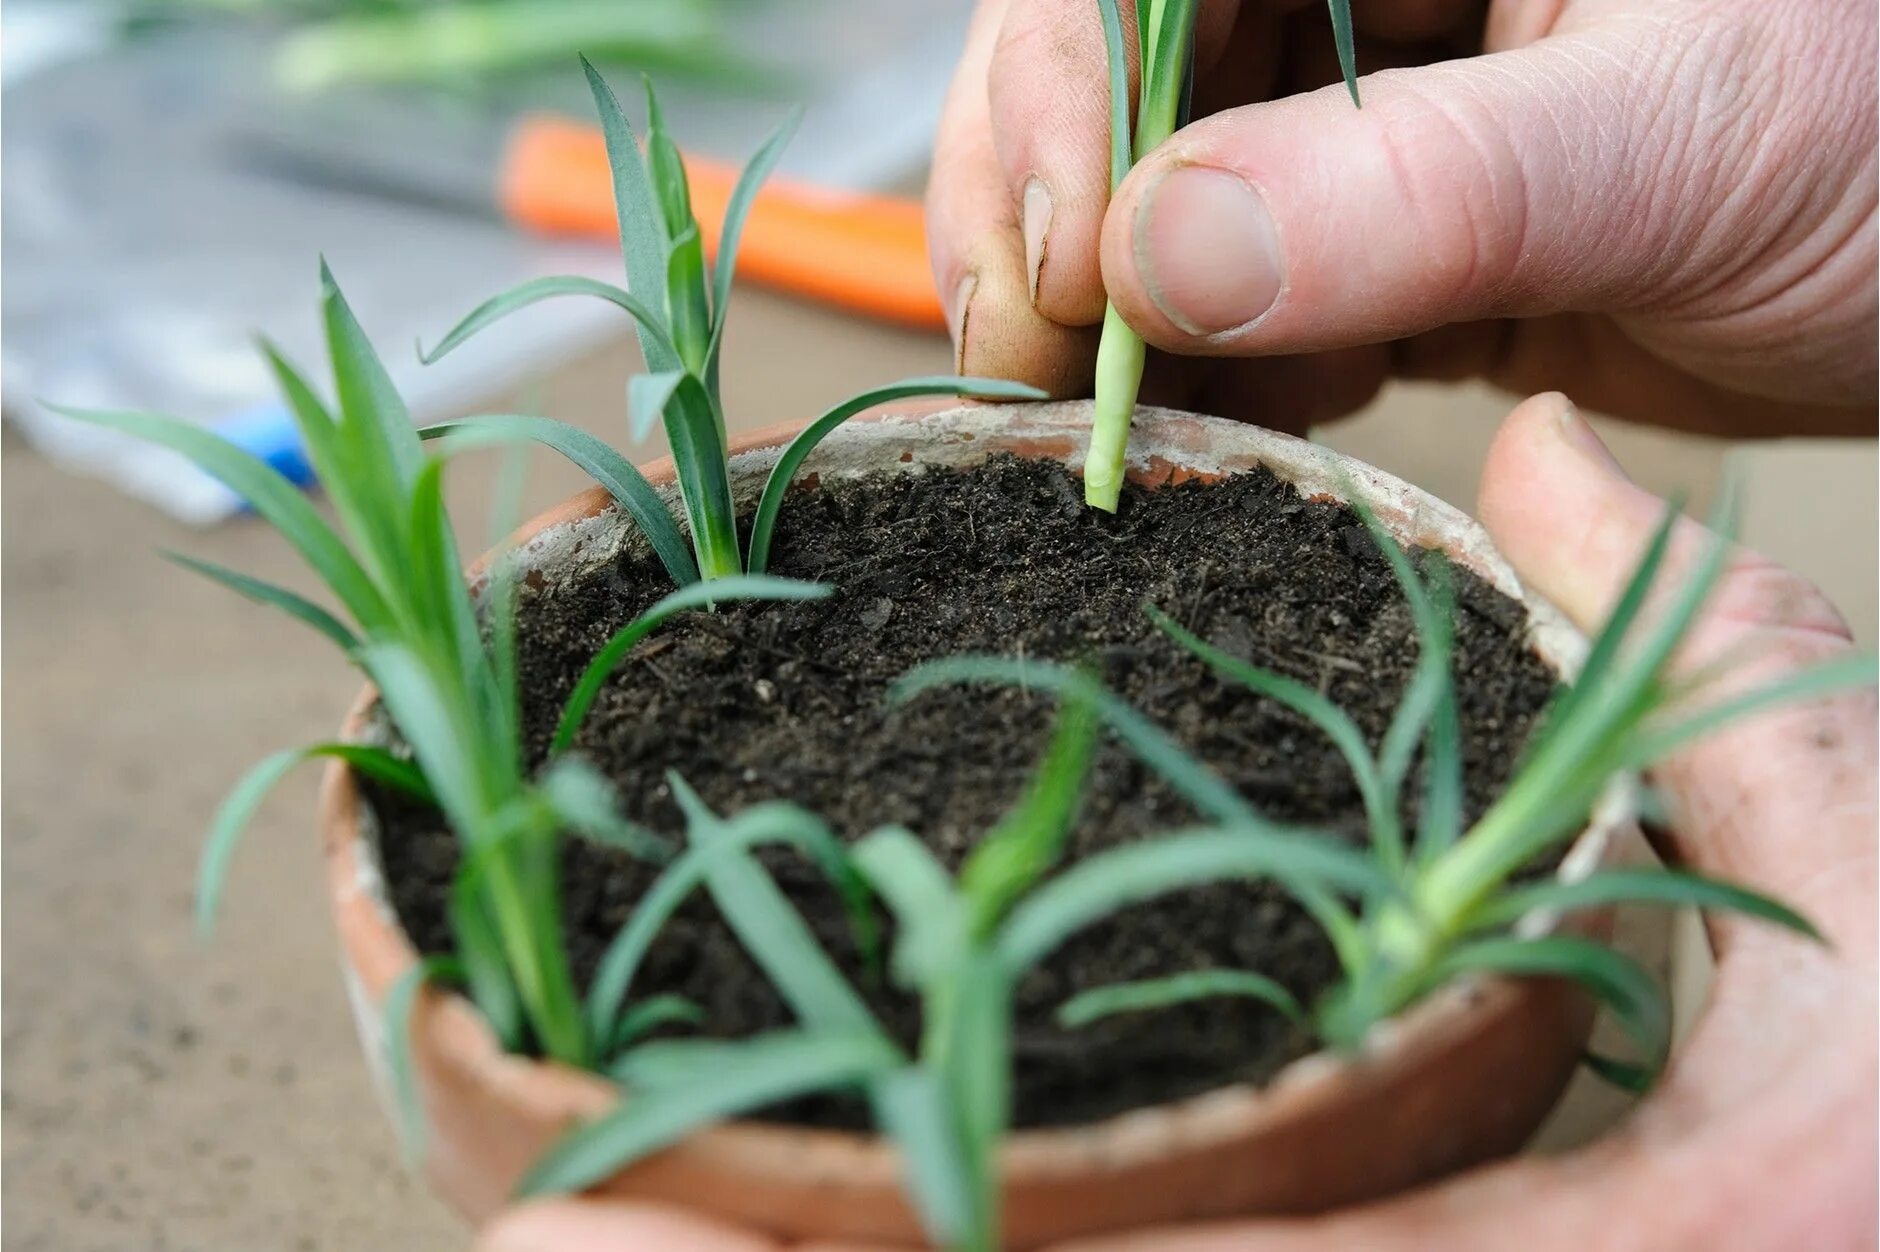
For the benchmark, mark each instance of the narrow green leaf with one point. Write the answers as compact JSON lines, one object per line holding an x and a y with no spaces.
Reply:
{"x":974,"y":1060}
{"x":399,"y":1003}
{"x":665,"y":170}
{"x":770,"y":928}
{"x":267,"y":492}
{"x":758,"y":1073}
{"x":694,"y":429}
{"x":1150,"y":994}
{"x":1197,"y":784}
{"x":697,"y":595}
{"x":659,"y":348}
{"x":1640,"y":886}
{"x":1027,"y":842}
{"x":757,"y":826}
{"x":650,"y":1014}
{"x":371,"y":411}
{"x":485,"y":965}
{"x":764,"y":519}
{"x":587,"y":802}
{"x":1116,"y":55}
{"x":647,"y":398}
{"x":276,"y":597}
{"x":238,"y":809}
{"x":915,"y":1112}
{"x":1330,"y":720}
{"x":1617,"y":981}
{"x":436,"y":732}
{"x":686,"y":300}
{"x":607,"y":467}
{"x":1655,"y":743}
{"x":1439,"y":822}
{"x":1347,"y":46}
{"x":1100,"y":885}
{"x":642,"y":240}
{"x":928,"y":912}
{"x":737,"y":209}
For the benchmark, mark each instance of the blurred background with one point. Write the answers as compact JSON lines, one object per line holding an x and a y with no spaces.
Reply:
{"x":172,"y":170}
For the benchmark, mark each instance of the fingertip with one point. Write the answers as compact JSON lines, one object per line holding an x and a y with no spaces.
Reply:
{"x":564,"y":1225}
{"x":998,"y":334}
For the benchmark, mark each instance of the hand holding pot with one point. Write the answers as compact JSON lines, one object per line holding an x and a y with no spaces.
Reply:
{"x":1764,"y":1124}
{"x":1667,"y":206}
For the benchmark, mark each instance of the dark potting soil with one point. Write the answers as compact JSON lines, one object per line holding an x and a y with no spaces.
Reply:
{"x":765,"y":701}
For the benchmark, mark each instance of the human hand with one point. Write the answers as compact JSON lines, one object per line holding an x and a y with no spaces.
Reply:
{"x":1764,"y":1124}
{"x":1667,"y":206}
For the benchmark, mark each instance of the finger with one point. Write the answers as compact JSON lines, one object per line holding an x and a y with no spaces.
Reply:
{"x":611,"y":1226}
{"x":1509,"y":184}
{"x":1049,"y":96}
{"x":591,"y":1225}
{"x":976,"y":248}
{"x":1783,"y":801}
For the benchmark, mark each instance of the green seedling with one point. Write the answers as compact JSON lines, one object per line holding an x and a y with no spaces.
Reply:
{"x":1164,"y":34}
{"x":963,"y":942}
{"x":1457,"y":895}
{"x":679,"y":303}
{"x":446,"y":675}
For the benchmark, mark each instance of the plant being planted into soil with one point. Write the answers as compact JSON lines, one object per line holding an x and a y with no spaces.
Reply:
{"x":411,"y":623}
{"x":681,"y":334}
{"x":1165,"y":33}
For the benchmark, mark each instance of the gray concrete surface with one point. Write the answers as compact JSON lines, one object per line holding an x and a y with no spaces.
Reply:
{"x":162,"y":1094}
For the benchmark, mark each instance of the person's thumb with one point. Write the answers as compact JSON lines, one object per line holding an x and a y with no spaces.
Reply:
{"x":1568,"y":175}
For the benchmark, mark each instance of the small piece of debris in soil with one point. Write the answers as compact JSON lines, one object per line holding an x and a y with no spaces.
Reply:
{"x":789,"y":701}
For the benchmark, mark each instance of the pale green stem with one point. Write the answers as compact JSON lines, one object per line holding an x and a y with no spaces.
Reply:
{"x":1120,"y":356}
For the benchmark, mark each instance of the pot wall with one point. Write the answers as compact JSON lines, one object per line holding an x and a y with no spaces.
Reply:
{"x":1464,"y":1077}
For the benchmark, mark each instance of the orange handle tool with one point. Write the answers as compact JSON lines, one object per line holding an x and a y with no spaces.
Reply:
{"x":865,"y":253}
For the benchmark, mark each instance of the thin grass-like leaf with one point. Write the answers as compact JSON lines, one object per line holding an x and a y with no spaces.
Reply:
{"x":1669,"y":887}
{"x":661,"y":352}
{"x":434,"y":730}
{"x":913,"y":1109}
{"x":642,"y":241}
{"x":755,"y":827}
{"x":649,"y":1015}
{"x":267,"y":492}
{"x":758,"y":1073}
{"x":1101,"y":885}
{"x":928,"y":911}
{"x":1116,"y":57}
{"x":770,"y":929}
{"x":1617,"y":981}
{"x":400,"y":1001}
{"x":1656,"y":743}
{"x":647,"y":398}
{"x":1347,"y":46}
{"x":731,"y":232}
{"x":1027,"y":842}
{"x":1627,"y":1077}
{"x":1150,"y":994}
{"x":485,"y":964}
{"x":267,"y":593}
{"x":1327,"y":717}
{"x":696,"y":596}
{"x":607,"y":467}
{"x":372,"y":414}
{"x":1439,"y":820}
{"x":586,"y":801}
{"x":695,"y":432}
{"x":764,"y":519}
{"x":238,"y":808}
{"x":1197,"y":784}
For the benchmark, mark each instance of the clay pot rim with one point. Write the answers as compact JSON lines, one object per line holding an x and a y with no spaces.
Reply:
{"x":378,"y":949}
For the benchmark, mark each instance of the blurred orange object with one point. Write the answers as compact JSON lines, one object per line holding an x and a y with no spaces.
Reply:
{"x":865,"y":253}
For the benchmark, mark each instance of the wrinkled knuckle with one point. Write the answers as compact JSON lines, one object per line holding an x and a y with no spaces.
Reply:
{"x":1469,"y":212}
{"x":1759,"y":594}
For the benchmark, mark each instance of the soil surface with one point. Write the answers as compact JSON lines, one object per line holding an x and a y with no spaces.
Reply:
{"x":763,"y":701}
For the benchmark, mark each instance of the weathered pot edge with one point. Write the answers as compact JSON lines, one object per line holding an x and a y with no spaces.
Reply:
{"x":859,"y":1173}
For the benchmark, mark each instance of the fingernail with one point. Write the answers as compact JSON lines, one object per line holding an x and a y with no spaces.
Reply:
{"x":957,"y":318}
{"x":1585,"y":441}
{"x":1037,"y":221}
{"x":1208,"y":250}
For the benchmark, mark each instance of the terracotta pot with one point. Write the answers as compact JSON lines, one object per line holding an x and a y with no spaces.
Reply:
{"x":1462,"y":1078}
